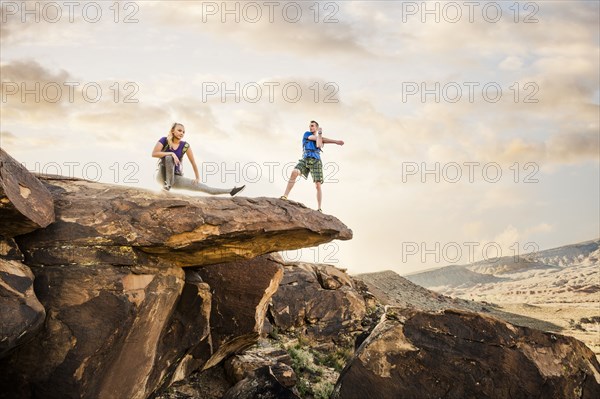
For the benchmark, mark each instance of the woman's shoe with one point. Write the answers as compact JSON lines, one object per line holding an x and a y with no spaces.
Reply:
{"x":237,"y":190}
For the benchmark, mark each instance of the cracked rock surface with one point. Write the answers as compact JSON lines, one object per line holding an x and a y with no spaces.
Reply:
{"x":458,"y":354}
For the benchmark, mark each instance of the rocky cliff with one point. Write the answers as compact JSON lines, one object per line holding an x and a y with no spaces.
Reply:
{"x":136,"y":289}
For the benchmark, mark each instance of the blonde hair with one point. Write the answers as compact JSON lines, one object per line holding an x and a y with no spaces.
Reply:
{"x":170,"y":135}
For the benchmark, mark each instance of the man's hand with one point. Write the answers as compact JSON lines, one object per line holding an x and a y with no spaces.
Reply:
{"x":340,"y":142}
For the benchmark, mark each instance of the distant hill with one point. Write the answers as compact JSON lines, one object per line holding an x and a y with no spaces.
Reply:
{"x":567,"y":274}
{"x":392,"y":289}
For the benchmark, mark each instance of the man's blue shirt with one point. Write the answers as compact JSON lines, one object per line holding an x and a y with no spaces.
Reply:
{"x":309,"y":147}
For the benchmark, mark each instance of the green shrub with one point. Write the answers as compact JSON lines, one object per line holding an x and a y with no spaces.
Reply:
{"x":322,"y":390}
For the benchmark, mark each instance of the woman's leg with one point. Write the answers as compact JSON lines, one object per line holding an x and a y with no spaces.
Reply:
{"x":167,"y":169}
{"x":188,"y":184}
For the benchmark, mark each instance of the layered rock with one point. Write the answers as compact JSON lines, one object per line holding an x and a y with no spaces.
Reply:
{"x":22,"y":314}
{"x":457,"y":354}
{"x":241,"y":292}
{"x":101,"y":334}
{"x":25,"y":204}
{"x":122,"y":222}
{"x":318,"y":301}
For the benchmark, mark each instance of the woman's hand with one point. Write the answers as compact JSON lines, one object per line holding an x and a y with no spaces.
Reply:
{"x":196,"y":181}
{"x":175,"y":159}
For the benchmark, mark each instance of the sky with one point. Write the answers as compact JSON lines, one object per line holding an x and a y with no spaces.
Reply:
{"x":471,"y":129}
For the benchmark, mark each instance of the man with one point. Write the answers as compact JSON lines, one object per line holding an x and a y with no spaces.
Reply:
{"x":312,"y":142}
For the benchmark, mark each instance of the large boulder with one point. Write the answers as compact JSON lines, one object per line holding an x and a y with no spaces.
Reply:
{"x":186,"y":344}
{"x":458,"y":354}
{"x":122,"y":222}
{"x":318,"y":301}
{"x":25,"y":203}
{"x":241,"y":292}
{"x":22,"y":314}
{"x":101,"y":334}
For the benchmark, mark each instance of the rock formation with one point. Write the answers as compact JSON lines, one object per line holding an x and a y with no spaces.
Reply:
{"x":318,"y":301}
{"x":458,"y":354}
{"x":100,"y":223}
{"x":25,"y":204}
{"x":123,"y":318}
{"x":22,"y":314}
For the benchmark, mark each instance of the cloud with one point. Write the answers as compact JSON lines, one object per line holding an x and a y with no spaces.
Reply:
{"x":279,"y":27}
{"x":511,"y":63}
{"x":7,"y":138}
{"x":52,"y":23}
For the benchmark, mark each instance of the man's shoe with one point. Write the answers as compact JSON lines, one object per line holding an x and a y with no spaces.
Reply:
{"x":283,"y":197}
{"x":236,"y":190}
{"x":320,"y":210}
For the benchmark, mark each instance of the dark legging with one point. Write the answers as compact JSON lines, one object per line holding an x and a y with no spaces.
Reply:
{"x":166,"y":176}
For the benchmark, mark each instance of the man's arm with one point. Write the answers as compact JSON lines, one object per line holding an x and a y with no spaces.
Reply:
{"x":320,"y":138}
{"x":325,"y":140}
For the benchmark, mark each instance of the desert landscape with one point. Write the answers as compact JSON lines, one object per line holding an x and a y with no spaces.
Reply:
{"x":554,"y":290}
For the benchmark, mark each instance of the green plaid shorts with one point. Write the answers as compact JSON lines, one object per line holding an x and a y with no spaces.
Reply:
{"x":312,"y":165}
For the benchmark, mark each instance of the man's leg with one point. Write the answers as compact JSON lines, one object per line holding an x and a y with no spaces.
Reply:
{"x":185,"y":183}
{"x":291,"y":182}
{"x":316,"y":169}
{"x":319,"y":194}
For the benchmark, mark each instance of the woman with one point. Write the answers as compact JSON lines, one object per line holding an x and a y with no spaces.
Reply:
{"x":171,"y":150}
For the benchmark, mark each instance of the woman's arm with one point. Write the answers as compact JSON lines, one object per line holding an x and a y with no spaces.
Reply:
{"x":190,"y":155}
{"x":158,"y":153}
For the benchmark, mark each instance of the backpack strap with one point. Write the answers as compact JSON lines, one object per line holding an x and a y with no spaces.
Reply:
{"x":185,"y":148}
